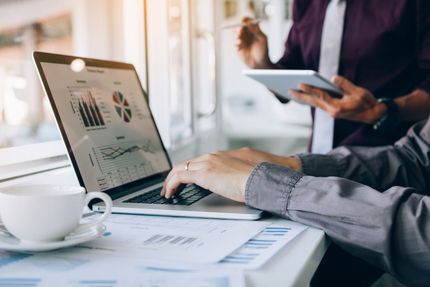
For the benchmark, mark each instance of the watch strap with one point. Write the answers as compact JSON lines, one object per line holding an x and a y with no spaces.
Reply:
{"x":391,"y":117}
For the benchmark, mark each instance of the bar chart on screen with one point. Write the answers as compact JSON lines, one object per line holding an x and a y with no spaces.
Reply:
{"x":89,"y":107}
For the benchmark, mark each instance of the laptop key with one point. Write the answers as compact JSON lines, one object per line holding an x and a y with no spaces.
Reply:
{"x":189,"y":195}
{"x":160,"y":201}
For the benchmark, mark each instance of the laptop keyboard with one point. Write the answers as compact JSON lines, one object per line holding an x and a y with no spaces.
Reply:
{"x":189,"y":195}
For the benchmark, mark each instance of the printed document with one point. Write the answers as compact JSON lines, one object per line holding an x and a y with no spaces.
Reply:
{"x":118,"y":274}
{"x":174,"y":239}
{"x":258,"y":250}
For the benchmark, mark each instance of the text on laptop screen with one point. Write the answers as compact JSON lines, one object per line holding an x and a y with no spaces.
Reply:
{"x":108,"y":124}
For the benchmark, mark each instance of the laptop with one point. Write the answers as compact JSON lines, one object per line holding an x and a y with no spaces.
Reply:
{"x":113,"y":142}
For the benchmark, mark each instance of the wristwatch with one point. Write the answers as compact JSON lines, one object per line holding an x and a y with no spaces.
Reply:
{"x":391,"y":117}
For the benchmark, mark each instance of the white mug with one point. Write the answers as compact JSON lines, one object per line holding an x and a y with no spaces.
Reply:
{"x":45,"y":213}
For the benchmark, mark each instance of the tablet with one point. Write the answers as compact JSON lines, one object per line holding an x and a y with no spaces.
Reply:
{"x":280,"y":81}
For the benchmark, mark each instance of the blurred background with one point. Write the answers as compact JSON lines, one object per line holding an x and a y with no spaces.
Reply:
{"x":186,"y":62}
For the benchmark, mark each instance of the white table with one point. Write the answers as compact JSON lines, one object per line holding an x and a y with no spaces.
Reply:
{"x":293,"y":266}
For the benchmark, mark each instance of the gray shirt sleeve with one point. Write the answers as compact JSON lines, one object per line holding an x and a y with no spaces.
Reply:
{"x":407,"y":163}
{"x":390,"y":230}
{"x":389,"y":227}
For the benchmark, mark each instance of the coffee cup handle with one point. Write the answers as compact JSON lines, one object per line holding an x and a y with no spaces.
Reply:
{"x":108,"y":208}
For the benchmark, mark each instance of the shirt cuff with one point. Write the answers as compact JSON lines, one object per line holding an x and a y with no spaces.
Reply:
{"x":321,"y":165}
{"x":269,"y":187}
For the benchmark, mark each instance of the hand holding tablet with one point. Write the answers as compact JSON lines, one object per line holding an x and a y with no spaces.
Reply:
{"x":342,"y":100}
{"x":281,"y":81}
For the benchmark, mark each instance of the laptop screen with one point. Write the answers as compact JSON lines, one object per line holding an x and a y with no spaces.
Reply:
{"x":107,"y":122}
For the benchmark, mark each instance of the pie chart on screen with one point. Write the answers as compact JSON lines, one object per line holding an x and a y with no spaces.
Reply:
{"x":122,"y":107}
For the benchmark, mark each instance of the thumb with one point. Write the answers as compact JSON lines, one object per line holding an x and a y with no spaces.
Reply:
{"x":253,"y":27}
{"x":344,"y":84}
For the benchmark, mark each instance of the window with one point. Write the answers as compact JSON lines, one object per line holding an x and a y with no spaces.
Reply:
{"x":98,"y":28}
{"x":107,"y":29}
{"x":179,"y":70}
{"x":179,"y":53}
{"x":182,"y":70}
{"x":25,"y":114}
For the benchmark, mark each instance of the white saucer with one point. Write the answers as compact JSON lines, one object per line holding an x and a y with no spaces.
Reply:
{"x":10,"y":243}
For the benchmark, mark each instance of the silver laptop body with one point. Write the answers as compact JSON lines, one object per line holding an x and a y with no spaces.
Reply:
{"x":113,"y":142}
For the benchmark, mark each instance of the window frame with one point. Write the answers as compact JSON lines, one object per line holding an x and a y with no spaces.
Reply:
{"x":29,"y":159}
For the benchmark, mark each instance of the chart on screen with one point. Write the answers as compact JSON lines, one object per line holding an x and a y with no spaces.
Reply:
{"x":89,"y":107}
{"x":106,"y":124}
{"x":125,"y":162}
{"x":122,"y":106}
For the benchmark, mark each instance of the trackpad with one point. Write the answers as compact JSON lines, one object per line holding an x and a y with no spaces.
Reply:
{"x":217,"y":200}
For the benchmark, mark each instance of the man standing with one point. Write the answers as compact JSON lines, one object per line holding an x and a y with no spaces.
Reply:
{"x":381,"y":45}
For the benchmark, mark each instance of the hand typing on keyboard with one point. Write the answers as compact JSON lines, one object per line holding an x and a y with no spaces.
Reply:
{"x":217,"y":172}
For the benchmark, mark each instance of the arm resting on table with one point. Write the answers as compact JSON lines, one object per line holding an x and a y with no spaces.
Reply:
{"x":390,"y":230}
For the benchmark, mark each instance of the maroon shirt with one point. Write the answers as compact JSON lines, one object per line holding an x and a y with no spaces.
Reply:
{"x":385,"y":49}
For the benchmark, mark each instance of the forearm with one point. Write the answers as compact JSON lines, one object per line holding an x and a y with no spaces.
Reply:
{"x":390,"y":230}
{"x":405,"y":164}
{"x":412,"y":107}
{"x":379,"y":168}
{"x":415,"y":106}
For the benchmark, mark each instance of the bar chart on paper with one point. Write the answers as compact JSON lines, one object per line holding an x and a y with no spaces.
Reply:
{"x":133,"y":278}
{"x":94,"y":283}
{"x":8,"y":258}
{"x":20,"y":282}
{"x":174,"y":239}
{"x":258,"y":250}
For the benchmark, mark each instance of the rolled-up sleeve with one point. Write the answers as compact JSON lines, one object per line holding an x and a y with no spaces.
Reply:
{"x":373,"y":202}
{"x":407,"y":163}
{"x":390,"y":229}
{"x":279,"y":181}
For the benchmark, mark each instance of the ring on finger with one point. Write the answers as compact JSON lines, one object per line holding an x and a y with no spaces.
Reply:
{"x":187,"y":166}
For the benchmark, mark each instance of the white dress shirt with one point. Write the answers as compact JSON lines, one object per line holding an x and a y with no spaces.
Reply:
{"x":331,"y":42}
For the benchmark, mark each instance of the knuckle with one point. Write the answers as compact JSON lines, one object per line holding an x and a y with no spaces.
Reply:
{"x":334,"y":112}
{"x":206,"y":157}
{"x":213,"y":155}
{"x":180,"y":177}
{"x":207,"y":166}
{"x":169,"y":188}
{"x":362,"y":93}
{"x":306,"y":90}
{"x":174,"y":179}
